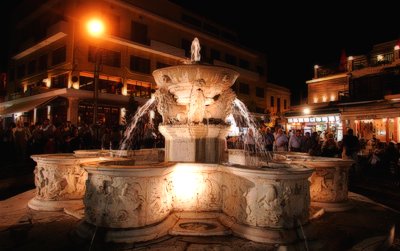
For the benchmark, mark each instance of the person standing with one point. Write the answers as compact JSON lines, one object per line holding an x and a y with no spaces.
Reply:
{"x":249,"y":141}
{"x":269,"y":140}
{"x":281,"y":141}
{"x":295,"y":142}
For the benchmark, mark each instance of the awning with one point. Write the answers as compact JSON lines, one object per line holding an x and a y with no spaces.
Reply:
{"x":25,"y":106}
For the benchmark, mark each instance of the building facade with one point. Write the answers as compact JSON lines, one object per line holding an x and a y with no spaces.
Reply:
{"x":51,"y":73}
{"x":362,"y":93}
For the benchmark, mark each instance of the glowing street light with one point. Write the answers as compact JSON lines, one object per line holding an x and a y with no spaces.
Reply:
{"x":306,"y":111}
{"x":96,"y":28}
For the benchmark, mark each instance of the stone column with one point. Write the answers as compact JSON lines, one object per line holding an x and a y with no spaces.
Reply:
{"x":72,"y":111}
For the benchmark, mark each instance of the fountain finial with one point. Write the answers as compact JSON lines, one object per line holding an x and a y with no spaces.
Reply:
{"x":195,"y":50}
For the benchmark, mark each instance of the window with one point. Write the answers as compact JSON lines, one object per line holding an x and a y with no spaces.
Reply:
{"x":244,"y":88}
{"x":260,"y":92}
{"x":272,"y":101}
{"x":108,"y":57}
{"x":32,"y":67}
{"x":60,"y":81}
{"x":284,"y":104}
{"x":140,"y":64}
{"x":43,"y":62}
{"x":278,"y":104}
{"x":186,"y":44}
{"x":161,"y":65}
{"x":230,"y":59}
{"x":139,"y":89}
{"x":59,"y":55}
{"x":244,"y":64}
{"x":139,"y":33}
{"x":215,"y":54}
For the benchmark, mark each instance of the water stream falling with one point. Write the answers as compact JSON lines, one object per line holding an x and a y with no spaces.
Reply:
{"x":131,"y":131}
{"x":261,"y":155}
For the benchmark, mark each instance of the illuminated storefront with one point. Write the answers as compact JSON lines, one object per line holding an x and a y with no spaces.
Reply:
{"x":323,"y":123}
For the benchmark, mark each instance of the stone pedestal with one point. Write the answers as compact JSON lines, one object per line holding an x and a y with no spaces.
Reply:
{"x":59,"y":181}
{"x":194,"y":143}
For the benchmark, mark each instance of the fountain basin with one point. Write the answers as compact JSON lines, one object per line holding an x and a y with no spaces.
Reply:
{"x":140,"y":202}
{"x":182,"y":80}
{"x":329,"y":182}
{"x":93,"y":153}
{"x":59,"y":181}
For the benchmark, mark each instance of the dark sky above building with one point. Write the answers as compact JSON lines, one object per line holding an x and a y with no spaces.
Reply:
{"x":296,"y":35}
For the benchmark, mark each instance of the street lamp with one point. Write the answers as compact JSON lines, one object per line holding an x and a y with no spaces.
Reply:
{"x":96,"y":29}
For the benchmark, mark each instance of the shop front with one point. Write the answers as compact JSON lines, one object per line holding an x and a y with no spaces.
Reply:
{"x":379,"y":118}
{"x":321,"y":123}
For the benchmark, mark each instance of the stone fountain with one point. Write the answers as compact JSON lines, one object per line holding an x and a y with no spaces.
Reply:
{"x":192,"y":192}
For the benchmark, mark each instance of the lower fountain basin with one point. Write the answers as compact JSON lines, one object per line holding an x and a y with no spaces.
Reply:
{"x":59,"y":181}
{"x":329,"y":181}
{"x":139,"y":201}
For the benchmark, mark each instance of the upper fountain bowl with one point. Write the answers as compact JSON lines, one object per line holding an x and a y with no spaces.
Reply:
{"x":183,"y":80}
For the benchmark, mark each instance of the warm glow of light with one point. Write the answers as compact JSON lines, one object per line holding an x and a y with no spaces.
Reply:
{"x":306,"y":111}
{"x":396,"y":47}
{"x":350,"y":58}
{"x":333,"y":97}
{"x":48,"y":112}
{"x":324,"y":99}
{"x":188,"y":184}
{"x":315,"y":100}
{"x":379,"y":57}
{"x":384,"y":120}
{"x":122,"y":115}
{"x":316,"y":66}
{"x":47,"y":82}
{"x":356,"y":121}
{"x":124,"y":91}
{"x":25,"y":87}
{"x":95,"y":27}
{"x":75,"y":85}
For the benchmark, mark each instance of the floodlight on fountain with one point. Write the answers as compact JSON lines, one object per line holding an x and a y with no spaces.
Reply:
{"x":187,"y":184}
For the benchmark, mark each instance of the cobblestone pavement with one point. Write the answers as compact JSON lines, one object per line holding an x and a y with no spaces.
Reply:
{"x":366,"y":225}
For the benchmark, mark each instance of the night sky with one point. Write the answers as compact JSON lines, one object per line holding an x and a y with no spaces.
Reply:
{"x":294,"y":35}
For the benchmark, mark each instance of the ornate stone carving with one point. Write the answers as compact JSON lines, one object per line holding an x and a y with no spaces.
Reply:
{"x":196,"y":106}
{"x":126,"y":201}
{"x":329,"y":184}
{"x":222,"y":106}
{"x":59,"y":182}
{"x":171,"y":112}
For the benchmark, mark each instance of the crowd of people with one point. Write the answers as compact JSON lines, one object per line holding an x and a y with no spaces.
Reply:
{"x":20,"y":140}
{"x":368,"y":155}
{"x":296,"y":141}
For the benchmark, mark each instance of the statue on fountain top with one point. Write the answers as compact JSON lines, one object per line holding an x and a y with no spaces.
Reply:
{"x":195,"y":50}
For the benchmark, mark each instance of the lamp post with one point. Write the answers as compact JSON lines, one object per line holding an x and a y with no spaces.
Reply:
{"x":96,"y":29}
